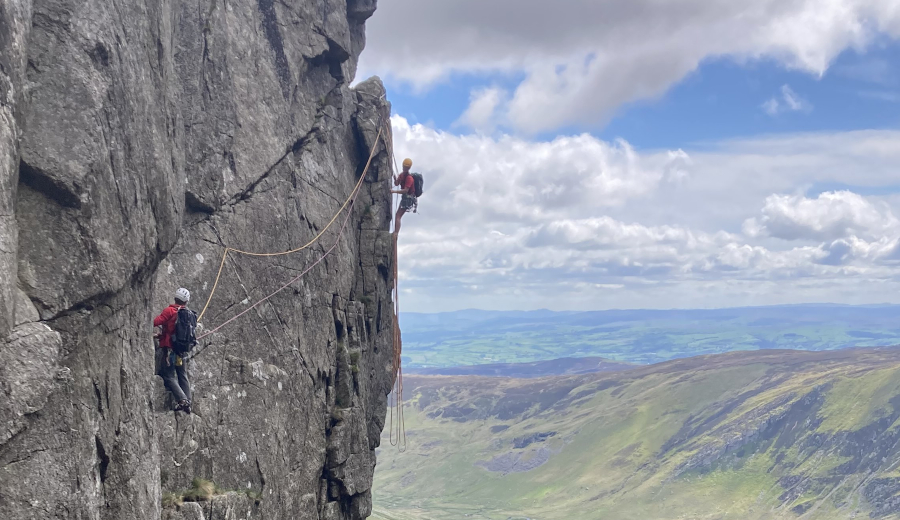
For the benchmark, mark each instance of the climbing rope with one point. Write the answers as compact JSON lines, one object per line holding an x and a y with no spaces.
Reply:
{"x":295,"y":250}
{"x":397,"y":434}
{"x":351,"y":200}
{"x":400,"y":440}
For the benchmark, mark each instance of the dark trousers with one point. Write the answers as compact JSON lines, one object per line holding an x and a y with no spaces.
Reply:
{"x":174,"y":377}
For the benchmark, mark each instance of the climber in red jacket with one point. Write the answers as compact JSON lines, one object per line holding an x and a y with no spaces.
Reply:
{"x":173,"y":368}
{"x":408,"y":190}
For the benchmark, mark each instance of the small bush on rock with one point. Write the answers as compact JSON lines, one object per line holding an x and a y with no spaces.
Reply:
{"x":201,"y":490}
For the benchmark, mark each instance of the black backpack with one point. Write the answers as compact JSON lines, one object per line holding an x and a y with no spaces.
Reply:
{"x":419,"y":182}
{"x":184,"y":338}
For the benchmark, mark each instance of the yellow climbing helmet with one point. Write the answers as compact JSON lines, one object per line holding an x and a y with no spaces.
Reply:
{"x":407,"y":162}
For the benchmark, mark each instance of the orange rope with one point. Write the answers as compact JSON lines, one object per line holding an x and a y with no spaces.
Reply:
{"x":350,"y":200}
{"x":400,"y":440}
{"x":396,"y":408}
{"x":304,"y":246}
{"x":288,"y":284}
{"x":216,"y":284}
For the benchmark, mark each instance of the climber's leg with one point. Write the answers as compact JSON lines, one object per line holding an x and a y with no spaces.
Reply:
{"x":170,"y":378}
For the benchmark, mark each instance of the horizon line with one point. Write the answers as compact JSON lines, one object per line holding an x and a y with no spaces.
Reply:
{"x":737,"y":307}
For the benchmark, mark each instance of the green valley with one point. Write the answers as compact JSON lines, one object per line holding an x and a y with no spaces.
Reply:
{"x":473,"y":337}
{"x":770,"y":434}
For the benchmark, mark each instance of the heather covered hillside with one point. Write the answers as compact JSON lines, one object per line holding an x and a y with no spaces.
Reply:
{"x":750,"y":435}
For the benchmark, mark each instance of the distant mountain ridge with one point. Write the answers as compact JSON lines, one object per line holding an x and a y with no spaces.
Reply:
{"x":553,"y":367}
{"x":474,"y":337}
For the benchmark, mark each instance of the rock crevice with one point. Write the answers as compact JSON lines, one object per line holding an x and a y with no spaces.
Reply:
{"x":137,"y":139}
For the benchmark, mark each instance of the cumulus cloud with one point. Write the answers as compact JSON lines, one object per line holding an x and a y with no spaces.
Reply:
{"x":830,"y":216}
{"x":515,"y":180}
{"x":861,"y":255}
{"x":578,"y":222}
{"x":582,"y":59}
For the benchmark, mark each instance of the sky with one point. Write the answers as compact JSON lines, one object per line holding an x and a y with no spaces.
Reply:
{"x":603,"y":154}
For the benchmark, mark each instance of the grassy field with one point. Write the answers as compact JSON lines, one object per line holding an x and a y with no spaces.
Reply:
{"x":638,"y":336}
{"x":748,"y":435}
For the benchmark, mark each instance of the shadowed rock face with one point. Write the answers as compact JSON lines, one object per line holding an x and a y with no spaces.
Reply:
{"x":136,"y":140}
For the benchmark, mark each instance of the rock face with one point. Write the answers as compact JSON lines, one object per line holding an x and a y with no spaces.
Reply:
{"x":137,"y":140}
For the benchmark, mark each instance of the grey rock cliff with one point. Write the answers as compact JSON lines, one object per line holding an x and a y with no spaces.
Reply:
{"x":137,"y":139}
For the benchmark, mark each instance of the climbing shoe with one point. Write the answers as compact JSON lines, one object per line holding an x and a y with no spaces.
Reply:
{"x":184,"y":406}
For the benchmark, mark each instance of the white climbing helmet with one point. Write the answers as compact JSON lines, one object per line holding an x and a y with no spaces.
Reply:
{"x":183,"y":294}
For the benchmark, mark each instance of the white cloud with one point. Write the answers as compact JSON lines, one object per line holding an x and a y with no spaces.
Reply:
{"x":583,"y":58}
{"x":516,"y":180}
{"x":793,"y":101}
{"x":771,"y":106}
{"x":789,"y":101}
{"x":481,"y":115}
{"x":830,"y":216}
{"x":578,"y":222}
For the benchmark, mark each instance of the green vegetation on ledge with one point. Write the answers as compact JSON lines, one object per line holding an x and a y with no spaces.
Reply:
{"x":203,"y":490}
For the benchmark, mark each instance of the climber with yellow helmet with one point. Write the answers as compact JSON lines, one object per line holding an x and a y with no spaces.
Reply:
{"x":410,"y":188}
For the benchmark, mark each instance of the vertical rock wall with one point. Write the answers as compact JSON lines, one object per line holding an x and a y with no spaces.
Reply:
{"x":137,"y":139}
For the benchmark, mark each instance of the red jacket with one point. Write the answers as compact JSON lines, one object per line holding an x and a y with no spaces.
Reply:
{"x":406,"y":182}
{"x":166,"y":320}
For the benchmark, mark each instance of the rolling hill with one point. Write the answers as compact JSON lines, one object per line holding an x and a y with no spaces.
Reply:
{"x":766,"y":434}
{"x":552,"y":367}
{"x":473,"y":337}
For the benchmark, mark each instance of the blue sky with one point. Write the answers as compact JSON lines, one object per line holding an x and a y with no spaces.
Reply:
{"x":722,"y":99}
{"x":645,"y":154}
